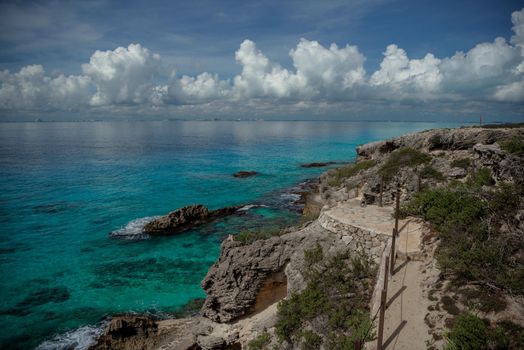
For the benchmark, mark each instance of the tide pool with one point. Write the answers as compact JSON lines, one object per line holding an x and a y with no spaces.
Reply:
{"x":65,"y":186}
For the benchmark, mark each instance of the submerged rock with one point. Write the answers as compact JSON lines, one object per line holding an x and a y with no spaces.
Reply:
{"x":186,"y":218}
{"x":316,"y":164}
{"x":244,"y":173}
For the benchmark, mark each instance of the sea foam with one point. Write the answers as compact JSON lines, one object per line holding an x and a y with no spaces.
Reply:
{"x":134,"y":229}
{"x":79,"y":339}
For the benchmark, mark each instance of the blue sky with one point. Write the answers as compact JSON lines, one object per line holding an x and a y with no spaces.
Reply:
{"x":175,"y":38}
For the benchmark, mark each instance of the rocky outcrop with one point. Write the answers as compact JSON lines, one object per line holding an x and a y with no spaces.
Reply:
{"x":235,"y":281}
{"x":128,"y":332}
{"x":439,"y":139}
{"x":478,"y":145}
{"x":186,"y":218}
{"x":242,"y":174}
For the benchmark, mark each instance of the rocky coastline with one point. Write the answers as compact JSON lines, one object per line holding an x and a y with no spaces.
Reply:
{"x":246,"y":283}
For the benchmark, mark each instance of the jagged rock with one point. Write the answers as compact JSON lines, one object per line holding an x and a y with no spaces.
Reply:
{"x":457,"y":173}
{"x":186,"y":218}
{"x":128,"y":332}
{"x":210,"y":342}
{"x":243,"y":174}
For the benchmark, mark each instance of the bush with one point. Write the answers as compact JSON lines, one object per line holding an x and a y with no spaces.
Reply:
{"x":471,"y":332}
{"x":338,"y":290}
{"x":260,"y":343}
{"x":248,"y":237}
{"x":463,"y":163}
{"x":472,"y":246}
{"x":468,"y":333}
{"x":428,"y":172}
{"x":483,"y":178}
{"x":340,"y":174}
{"x":513,"y":146}
{"x":312,"y":340}
{"x":403,"y":157}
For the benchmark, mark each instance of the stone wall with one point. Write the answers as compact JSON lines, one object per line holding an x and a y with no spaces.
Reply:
{"x":357,"y":239}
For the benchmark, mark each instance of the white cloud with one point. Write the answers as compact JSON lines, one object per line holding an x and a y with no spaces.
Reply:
{"x":31,"y":89}
{"x":123,"y":76}
{"x":400,"y":75}
{"x":321,"y":77}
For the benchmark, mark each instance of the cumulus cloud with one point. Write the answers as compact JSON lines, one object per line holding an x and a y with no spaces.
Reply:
{"x":400,"y":75}
{"x":319,"y":76}
{"x":31,"y":89}
{"x":123,"y":76}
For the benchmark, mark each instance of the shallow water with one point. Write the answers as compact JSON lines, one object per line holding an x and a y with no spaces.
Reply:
{"x":65,"y":186}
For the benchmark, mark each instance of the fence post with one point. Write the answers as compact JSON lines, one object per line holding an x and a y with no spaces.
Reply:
{"x":397,"y":208}
{"x":393,"y":242}
{"x":381,"y":190}
{"x":381,"y":320}
{"x":358,"y":344}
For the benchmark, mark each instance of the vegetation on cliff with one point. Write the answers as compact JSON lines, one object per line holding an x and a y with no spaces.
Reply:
{"x":348,"y":171}
{"x":333,"y":308}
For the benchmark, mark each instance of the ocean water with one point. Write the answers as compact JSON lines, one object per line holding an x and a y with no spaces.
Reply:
{"x":64,"y":187}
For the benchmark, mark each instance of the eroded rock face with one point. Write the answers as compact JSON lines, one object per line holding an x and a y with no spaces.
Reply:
{"x":186,"y":218}
{"x":234,"y":282}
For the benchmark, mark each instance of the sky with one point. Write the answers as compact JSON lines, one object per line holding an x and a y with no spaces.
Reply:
{"x":356,"y":60}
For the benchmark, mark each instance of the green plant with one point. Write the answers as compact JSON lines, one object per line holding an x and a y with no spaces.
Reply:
{"x":260,"y":342}
{"x":513,"y":146}
{"x":311,"y":340}
{"x":468,"y":333}
{"x":402,"y":157}
{"x":463,"y":163}
{"x":483,"y":178}
{"x":248,"y":237}
{"x":428,"y":172}
{"x":337,"y":175}
{"x":338,"y":289}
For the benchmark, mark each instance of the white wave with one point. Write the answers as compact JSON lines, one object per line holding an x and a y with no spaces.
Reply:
{"x":290,"y":196}
{"x":251,"y":206}
{"x":134,"y":229}
{"x":79,"y":339}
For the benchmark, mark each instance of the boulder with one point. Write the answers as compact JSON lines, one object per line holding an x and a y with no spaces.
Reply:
{"x":186,"y":218}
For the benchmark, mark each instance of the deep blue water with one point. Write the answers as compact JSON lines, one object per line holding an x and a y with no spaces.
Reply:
{"x":65,"y":186}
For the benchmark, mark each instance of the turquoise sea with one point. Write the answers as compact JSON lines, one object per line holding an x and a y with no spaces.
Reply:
{"x":64,"y":187}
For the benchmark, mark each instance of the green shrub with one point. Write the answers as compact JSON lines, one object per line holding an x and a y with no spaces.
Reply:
{"x":471,"y":248}
{"x":402,"y":157}
{"x":483,"y":178}
{"x":248,"y":237}
{"x":260,"y":343}
{"x":338,"y":289}
{"x":340,"y":174}
{"x":468,"y":333}
{"x":513,"y":146}
{"x":463,"y":163}
{"x":428,"y":172}
{"x":312,"y":340}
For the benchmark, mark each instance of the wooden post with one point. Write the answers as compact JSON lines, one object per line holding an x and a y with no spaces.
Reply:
{"x":397,"y":208}
{"x":419,"y":182}
{"x":381,"y":319}
{"x":386,"y":273}
{"x":393,"y":239}
{"x":358,"y":344}
{"x":381,"y":190}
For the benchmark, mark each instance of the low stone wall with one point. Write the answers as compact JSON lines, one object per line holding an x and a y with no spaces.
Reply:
{"x":359,"y":239}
